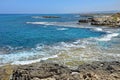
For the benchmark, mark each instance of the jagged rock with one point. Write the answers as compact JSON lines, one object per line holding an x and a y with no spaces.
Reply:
{"x":100,"y":71}
{"x":50,"y":71}
{"x":50,"y":16}
{"x":112,"y":20}
{"x":39,"y":71}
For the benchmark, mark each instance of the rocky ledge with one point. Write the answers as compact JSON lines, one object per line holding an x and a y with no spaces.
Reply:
{"x":50,"y":16}
{"x":51,"y":71}
{"x":112,"y":20}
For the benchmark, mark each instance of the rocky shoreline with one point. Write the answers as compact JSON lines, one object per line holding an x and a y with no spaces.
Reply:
{"x":50,"y":16}
{"x":53,"y":71}
{"x":112,"y":20}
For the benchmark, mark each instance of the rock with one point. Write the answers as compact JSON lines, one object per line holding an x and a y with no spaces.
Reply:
{"x":112,"y":20}
{"x":50,"y":16}
{"x":83,"y":21}
{"x":48,"y":79}
{"x":86,"y":20}
{"x":51,"y":71}
{"x":35,"y":78}
{"x":40,"y":71}
{"x":100,"y":71}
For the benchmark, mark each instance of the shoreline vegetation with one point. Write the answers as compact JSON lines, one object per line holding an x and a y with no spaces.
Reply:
{"x":112,"y":20}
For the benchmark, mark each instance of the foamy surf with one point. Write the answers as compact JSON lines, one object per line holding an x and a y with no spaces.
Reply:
{"x":32,"y":61}
{"x":37,"y":17}
{"x":40,"y":52}
{"x":108,"y":37}
{"x":42,"y":23}
{"x":64,"y":24}
{"x":67,"y":24}
{"x":98,"y":29}
{"x":62,"y":29}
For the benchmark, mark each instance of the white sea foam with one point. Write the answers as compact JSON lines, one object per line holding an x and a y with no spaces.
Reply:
{"x":43,"y":23}
{"x":108,"y":37}
{"x":54,"y":50}
{"x":61,"y":29}
{"x":98,"y":29}
{"x":37,"y":17}
{"x":76,"y":44}
{"x":32,"y":61}
{"x":65,"y":24}
{"x":40,"y":52}
{"x":25,"y":55}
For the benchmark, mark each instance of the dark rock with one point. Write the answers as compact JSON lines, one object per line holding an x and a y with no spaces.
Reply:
{"x":86,"y":20}
{"x":50,"y":16}
{"x":83,"y":21}
{"x":112,"y":20}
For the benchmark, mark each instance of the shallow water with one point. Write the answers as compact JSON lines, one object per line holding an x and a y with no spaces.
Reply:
{"x":30,"y":38}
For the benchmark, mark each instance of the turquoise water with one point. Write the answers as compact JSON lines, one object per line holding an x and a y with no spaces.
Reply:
{"x":29,"y":36}
{"x":15,"y":32}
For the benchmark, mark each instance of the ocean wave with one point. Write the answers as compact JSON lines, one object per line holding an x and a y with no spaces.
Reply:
{"x":82,"y":49}
{"x":65,"y":24}
{"x":23,"y":55}
{"x":43,"y":23}
{"x":32,"y":61}
{"x":98,"y":29}
{"x":108,"y":37}
{"x":62,"y":29}
{"x":69,"y":24}
{"x":40,"y":52}
{"x":37,"y":17}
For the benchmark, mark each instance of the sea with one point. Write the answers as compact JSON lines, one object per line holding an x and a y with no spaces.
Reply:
{"x":31,"y":38}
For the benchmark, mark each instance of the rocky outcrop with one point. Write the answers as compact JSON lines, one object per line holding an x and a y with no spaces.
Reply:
{"x":104,"y":20}
{"x":50,"y":16}
{"x":86,"y":20}
{"x":40,"y":71}
{"x":50,"y":71}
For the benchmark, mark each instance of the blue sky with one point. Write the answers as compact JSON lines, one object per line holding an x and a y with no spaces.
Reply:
{"x":57,"y":6}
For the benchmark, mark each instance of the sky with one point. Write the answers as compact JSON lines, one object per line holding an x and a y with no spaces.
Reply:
{"x":57,"y":6}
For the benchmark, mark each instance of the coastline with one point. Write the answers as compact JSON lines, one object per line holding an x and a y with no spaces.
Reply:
{"x":54,"y":71}
{"x":111,"y":20}
{"x":71,"y":73}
